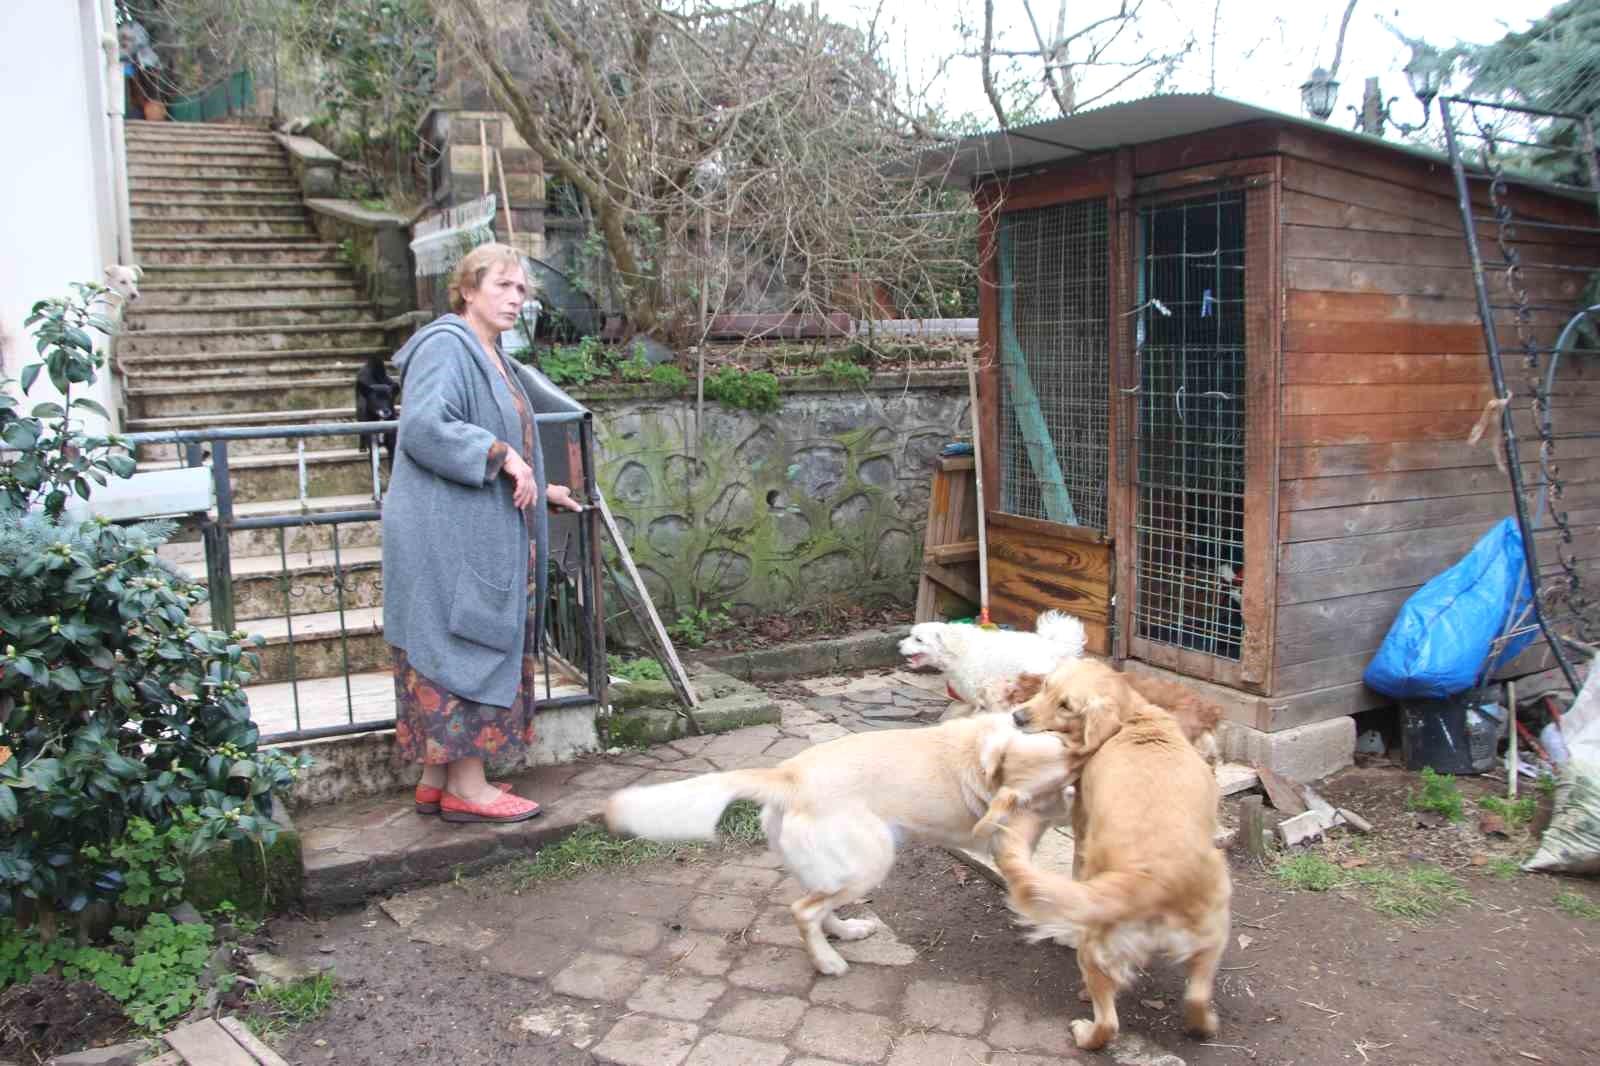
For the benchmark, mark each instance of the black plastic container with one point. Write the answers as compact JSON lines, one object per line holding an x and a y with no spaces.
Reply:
{"x":1441,"y":735}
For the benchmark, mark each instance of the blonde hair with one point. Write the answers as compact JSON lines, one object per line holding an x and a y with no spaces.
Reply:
{"x":468,"y":274}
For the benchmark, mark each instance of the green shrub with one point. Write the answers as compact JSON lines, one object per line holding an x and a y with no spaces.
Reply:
{"x":576,"y":364}
{"x":635,"y":669}
{"x":845,"y":372}
{"x":697,"y":625}
{"x":113,"y":706}
{"x":670,"y":376}
{"x":755,"y":390}
{"x":636,"y":368}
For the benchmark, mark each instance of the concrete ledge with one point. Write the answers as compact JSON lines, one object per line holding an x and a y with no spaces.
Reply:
{"x":859,"y":651}
{"x":380,"y":249}
{"x":316,"y":168}
{"x":1303,"y":753}
{"x":649,"y":712}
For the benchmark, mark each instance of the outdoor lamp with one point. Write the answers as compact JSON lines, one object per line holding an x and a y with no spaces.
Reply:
{"x":1318,"y":93}
{"x":1425,"y":75}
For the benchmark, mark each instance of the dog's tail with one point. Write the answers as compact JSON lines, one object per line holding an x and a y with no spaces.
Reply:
{"x":1064,"y":630}
{"x":1051,"y":899}
{"x":690,"y":810}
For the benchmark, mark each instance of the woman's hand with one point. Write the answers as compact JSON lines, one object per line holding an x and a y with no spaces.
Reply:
{"x":561,"y":496}
{"x":521,"y":474}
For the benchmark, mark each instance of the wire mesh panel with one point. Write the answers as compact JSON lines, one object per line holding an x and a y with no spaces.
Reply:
{"x":1054,"y":363}
{"x":1189,"y":515}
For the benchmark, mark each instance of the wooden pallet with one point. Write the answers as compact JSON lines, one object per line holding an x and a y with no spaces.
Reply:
{"x":216,"y":1043}
{"x":949,"y":583}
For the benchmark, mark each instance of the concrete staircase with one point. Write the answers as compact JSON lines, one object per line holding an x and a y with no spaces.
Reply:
{"x":247,"y":318}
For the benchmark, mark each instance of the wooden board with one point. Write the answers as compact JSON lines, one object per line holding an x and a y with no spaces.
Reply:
{"x":247,"y":1040}
{"x":206,"y":1042}
{"x":1304,"y":494}
{"x":1340,"y":460}
{"x":1351,"y":244}
{"x":1447,"y":283}
{"x":1031,"y":571}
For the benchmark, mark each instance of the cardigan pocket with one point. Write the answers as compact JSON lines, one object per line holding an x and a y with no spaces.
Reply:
{"x":482,"y":612}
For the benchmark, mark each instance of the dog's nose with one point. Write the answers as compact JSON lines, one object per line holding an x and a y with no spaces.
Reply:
{"x":1020,"y":716}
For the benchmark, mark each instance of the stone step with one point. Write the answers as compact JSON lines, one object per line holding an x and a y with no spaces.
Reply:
{"x":306,"y":359}
{"x":301,"y":582}
{"x":266,"y":292}
{"x":186,"y":546}
{"x":323,"y":643}
{"x":178,"y":150}
{"x":219,"y":188}
{"x":250,"y":338}
{"x":202,"y":379}
{"x":142,"y":318}
{"x":170,"y":453}
{"x":216,"y":274}
{"x":221,"y":229}
{"x":342,"y":471}
{"x":240,"y":395}
{"x":138,"y":127}
{"x":265,"y":205}
{"x":144,"y":175}
{"x":235,"y":253}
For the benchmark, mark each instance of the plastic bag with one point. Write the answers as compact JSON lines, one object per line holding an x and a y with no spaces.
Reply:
{"x":1571,"y":843}
{"x":1439,"y":642}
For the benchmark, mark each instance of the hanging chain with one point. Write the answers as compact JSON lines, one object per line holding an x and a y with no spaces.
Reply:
{"x":1538,"y":397}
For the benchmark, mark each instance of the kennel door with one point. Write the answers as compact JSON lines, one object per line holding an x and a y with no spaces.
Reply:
{"x":1189,"y":440}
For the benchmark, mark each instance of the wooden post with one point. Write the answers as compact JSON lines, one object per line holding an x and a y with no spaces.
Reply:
{"x":1253,"y":827}
{"x":483,"y":153}
{"x":1511,"y":748}
{"x":505,"y":201}
{"x":977,"y":458}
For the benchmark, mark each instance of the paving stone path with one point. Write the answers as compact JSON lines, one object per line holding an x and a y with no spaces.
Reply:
{"x":699,"y":963}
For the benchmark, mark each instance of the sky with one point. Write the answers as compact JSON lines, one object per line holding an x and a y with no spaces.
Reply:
{"x":1264,"y":50}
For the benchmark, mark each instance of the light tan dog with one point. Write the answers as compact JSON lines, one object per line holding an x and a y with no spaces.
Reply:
{"x":1147,"y":878}
{"x":836,"y":812}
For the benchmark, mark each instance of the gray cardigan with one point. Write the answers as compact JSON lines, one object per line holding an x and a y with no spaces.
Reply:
{"x":455,"y":548}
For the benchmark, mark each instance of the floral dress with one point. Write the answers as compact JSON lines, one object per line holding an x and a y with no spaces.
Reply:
{"x":435,"y":726}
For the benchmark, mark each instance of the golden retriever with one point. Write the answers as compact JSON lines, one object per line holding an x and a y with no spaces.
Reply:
{"x":835,"y":812}
{"x":1147,"y":878}
{"x":1197,"y":716}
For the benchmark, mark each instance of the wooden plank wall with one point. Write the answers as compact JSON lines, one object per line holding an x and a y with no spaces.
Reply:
{"x":1383,"y":377}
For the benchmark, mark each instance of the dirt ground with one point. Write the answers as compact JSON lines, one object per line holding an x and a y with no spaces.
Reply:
{"x":1312,"y":978}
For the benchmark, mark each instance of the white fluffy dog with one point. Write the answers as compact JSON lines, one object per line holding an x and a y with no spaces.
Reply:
{"x":972,"y":657}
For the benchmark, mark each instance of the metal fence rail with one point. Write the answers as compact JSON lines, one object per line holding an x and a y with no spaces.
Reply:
{"x":574,"y":641}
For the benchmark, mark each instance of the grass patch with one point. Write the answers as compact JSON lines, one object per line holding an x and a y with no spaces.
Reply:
{"x":1515,"y":813}
{"x":1505,"y":869}
{"x":286,"y":1005}
{"x":590,"y":848}
{"x":1309,"y":872}
{"x":1578,"y":905}
{"x":1414,"y":894}
{"x":1438,"y":794}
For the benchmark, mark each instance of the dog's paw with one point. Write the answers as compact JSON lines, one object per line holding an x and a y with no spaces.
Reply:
{"x":1089,"y":1036}
{"x":1200,"y":1020}
{"x":830,"y":965}
{"x":853,"y":928}
{"x":988,"y":824}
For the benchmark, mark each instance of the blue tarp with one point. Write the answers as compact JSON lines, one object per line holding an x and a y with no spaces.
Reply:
{"x":1439,"y":644}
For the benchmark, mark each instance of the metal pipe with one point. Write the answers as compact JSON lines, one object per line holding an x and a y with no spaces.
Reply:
{"x":556,"y":703}
{"x":324,"y":429}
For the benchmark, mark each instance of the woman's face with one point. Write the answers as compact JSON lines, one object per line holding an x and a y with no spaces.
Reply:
{"x":498,"y":299}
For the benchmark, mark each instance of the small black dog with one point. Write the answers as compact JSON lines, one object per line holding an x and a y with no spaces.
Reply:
{"x":376,"y":396}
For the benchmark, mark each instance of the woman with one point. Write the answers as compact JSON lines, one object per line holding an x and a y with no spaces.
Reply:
{"x":465,"y":544}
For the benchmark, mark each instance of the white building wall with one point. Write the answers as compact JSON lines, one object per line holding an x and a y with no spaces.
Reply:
{"x":57,"y":204}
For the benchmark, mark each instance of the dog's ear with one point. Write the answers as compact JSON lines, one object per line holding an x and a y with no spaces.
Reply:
{"x":1023,"y":688}
{"x":1091,"y":720}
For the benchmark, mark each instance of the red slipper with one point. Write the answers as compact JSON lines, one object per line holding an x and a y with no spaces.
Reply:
{"x":508,"y":808}
{"x":428,"y":797}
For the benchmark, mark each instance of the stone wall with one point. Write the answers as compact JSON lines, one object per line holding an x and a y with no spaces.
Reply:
{"x":825,"y":498}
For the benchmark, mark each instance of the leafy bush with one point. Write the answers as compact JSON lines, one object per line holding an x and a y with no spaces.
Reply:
{"x":635,"y":368}
{"x":695,"y":626}
{"x":1439,"y":794}
{"x":576,"y":364}
{"x":755,"y":390}
{"x":113,"y":706}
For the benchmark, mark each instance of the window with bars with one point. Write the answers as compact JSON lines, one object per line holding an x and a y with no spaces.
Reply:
{"x":1189,"y":500}
{"x":1054,"y":352}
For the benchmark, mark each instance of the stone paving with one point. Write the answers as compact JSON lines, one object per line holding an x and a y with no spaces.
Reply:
{"x":699,"y":963}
